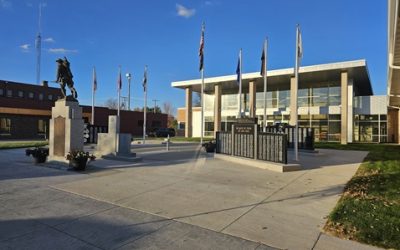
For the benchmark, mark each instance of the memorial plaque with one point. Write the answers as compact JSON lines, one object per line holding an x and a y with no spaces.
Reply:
{"x":247,"y":120}
{"x":244,"y":129}
{"x":59,"y":136}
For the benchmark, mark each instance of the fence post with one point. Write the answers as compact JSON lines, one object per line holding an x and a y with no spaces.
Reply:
{"x":233,"y":139}
{"x":255,"y":142}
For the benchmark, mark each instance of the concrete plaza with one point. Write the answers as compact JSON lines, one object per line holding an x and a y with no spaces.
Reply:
{"x":180,"y":199}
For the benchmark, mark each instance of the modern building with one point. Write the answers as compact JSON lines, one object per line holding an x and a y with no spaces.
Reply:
{"x":394,"y":66}
{"x":335,"y":99}
{"x":25,"y":110}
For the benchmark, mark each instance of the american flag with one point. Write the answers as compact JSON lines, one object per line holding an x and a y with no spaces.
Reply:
{"x":119,"y":82}
{"x":145,"y":78}
{"x":94,"y":79}
{"x":201,"y":48}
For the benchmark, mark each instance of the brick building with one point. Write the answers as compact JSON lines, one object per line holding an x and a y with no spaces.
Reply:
{"x":25,"y":110}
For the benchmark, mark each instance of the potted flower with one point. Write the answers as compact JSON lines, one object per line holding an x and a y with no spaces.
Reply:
{"x":38,"y":154}
{"x":209,"y":146}
{"x":79,"y":159}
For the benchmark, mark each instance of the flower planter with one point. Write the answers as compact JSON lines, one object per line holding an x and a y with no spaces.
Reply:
{"x":78,"y":164}
{"x":40,"y":159}
{"x":39,"y":154}
{"x":209,"y":146}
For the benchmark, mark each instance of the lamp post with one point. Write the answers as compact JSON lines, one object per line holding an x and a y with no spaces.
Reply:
{"x":129,"y":77}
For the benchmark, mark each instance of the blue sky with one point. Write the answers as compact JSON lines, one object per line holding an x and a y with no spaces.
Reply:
{"x":165,"y":35}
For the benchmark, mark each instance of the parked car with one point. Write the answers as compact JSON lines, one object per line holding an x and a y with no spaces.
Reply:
{"x":162,"y":132}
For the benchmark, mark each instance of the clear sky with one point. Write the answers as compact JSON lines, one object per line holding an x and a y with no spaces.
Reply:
{"x":165,"y":35}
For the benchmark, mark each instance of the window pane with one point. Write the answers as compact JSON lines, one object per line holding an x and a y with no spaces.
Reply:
{"x":5,"y":125}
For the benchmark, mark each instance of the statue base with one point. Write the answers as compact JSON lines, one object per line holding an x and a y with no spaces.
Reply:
{"x":66,"y":128}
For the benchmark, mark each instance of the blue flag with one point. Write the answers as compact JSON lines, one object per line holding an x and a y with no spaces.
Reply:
{"x":238,"y":71}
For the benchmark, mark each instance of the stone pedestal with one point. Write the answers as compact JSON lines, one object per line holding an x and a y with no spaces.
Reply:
{"x":114,"y":144}
{"x":66,"y":129}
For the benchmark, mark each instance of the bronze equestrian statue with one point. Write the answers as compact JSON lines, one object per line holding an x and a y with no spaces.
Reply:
{"x":64,"y":77}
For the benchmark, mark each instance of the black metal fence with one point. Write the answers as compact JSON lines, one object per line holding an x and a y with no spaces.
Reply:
{"x":224,"y":143}
{"x":90,"y":132}
{"x":272,"y":147}
{"x":243,"y":145}
{"x":305,"y":135}
{"x":267,"y":146}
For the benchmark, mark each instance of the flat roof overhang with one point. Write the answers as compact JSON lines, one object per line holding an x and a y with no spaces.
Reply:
{"x":393,"y":87}
{"x":357,"y":70}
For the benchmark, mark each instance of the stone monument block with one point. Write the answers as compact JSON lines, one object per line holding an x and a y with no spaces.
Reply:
{"x":113,"y":142}
{"x":66,"y":129}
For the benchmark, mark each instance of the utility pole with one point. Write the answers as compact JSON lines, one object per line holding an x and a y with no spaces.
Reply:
{"x":155,"y":105}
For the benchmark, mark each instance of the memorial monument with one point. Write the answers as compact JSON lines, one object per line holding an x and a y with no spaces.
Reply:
{"x":66,"y":123}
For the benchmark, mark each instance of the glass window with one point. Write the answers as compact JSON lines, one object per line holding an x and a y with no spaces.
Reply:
{"x":1,"y":92}
{"x":334,"y":96}
{"x":5,"y":125}
{"x":31,"y":95}
{"x":320,"y":97}
{"x":383,"y":117}
{"x":20,"y":93}
{"x":41,"y":96}
{"x":303,"y":97}
{"x":50,"y":97}
{"x":9,"y":93}
{"x":42,"y":126}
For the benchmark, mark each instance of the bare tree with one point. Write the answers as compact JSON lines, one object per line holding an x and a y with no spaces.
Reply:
{"x":111,"y":103}
{"x":170,"y":110}
{"x":197,"y":99}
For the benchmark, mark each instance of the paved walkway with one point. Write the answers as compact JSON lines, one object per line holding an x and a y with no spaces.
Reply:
{"x":181,"y":199}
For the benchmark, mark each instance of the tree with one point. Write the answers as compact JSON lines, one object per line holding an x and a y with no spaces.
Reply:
{"x":111,"y":103}
{"x":197,"y":99}
{"x":170,"y":110}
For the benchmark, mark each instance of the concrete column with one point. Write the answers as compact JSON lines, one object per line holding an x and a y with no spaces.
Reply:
{"x":188,"y":112}
{"x":350,"y":118}
{"x":393,"y":125}
{"x":252,"y":96}
{"x":217,"y":108}
{"x":293,"y":102}
{"x":344,"y":81}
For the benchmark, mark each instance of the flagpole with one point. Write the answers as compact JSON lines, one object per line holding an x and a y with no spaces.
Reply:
{"x":202,"y":106}
{"x":265,"y":85}
{"x":119,"y":91}
{"x":202,"y":84}
{"x":145,"y":104}
{"x":240,"y":84}
{"x":294,"y":98}
{"x":93,"y":92}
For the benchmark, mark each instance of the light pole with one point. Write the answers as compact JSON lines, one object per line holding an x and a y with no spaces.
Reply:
{"x":129,"y":77}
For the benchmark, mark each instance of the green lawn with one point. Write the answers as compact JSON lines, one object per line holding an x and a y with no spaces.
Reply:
{"x":21,"y":144}
{"x":369,"y":210}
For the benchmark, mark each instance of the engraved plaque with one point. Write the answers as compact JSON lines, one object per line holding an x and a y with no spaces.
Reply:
{"x":59,"y":136}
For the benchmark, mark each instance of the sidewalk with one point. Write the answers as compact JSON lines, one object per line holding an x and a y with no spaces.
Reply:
{"x":180,"y":199}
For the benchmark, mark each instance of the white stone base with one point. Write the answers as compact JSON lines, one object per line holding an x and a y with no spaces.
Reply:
{"x":72,"y":133}
{"x":278,"y":167}
{"x":113,"y":144}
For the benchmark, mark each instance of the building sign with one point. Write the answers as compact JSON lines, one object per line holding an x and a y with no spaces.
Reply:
{"x":244,"y":129}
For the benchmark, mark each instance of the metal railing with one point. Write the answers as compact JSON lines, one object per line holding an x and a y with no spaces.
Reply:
{"x":305,"y":135}
{"x":90,"y":132}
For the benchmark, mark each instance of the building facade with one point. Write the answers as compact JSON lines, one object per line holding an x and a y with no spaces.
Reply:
{"x":335,"y":99}
{"x":25,"y":111}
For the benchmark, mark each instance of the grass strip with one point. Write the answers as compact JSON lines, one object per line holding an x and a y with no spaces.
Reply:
{"x":369,"y":209}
